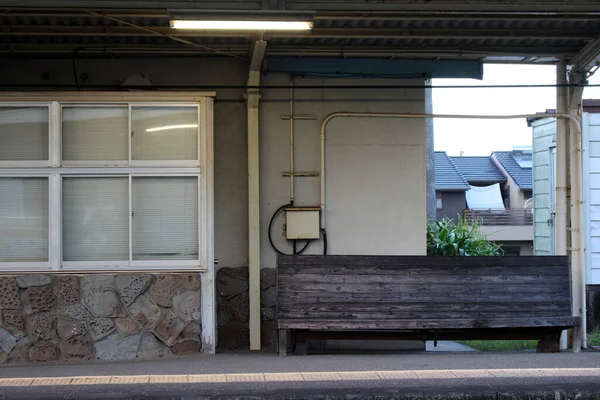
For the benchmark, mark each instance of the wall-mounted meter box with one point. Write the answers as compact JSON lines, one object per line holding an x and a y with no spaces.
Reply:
{"x":302,"y":223}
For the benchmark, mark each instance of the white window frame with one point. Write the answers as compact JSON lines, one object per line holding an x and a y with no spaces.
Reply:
{"x":55,"y":170}
{"x":31,"y":163}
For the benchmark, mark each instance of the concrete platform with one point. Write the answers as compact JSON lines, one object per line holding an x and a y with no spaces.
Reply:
{"x":245,"y":375}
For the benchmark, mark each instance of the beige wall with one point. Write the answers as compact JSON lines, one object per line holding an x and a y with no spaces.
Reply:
{"x":375,"y":168}
{"x":390,"y":177}
{"x":516,"y":197}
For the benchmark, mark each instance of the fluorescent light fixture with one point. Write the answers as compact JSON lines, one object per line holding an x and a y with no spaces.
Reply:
{"x":242,"y":25}
{"x":169,"y":127}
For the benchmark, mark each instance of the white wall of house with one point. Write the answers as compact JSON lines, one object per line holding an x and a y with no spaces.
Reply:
{"x":591,"y":167}
{"x":543,"y":133}
{"x":375,"y":167}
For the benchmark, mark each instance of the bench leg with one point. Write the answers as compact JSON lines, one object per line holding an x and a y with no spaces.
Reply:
{"x":283,"y":342}
{"x":549,"y":344}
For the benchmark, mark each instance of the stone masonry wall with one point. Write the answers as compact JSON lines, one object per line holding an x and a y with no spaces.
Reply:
{"x":98,"y":317}
{"x":233,"y":308}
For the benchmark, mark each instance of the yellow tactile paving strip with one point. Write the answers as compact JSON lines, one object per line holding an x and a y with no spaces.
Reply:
{"x":303,"y":376}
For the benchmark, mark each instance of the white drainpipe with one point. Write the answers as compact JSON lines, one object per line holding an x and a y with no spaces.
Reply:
{"x":578,"y":266}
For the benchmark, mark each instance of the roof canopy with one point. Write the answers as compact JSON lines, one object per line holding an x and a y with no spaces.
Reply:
{"x":486,"y":31}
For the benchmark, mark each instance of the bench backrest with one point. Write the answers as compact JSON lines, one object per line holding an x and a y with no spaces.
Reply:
{"x":400,"y":292}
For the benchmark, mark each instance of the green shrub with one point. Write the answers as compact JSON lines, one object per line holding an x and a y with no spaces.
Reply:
{"x":449,"y":238}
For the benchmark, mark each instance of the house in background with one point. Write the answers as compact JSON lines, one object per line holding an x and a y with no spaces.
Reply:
{"x":498,"y":199}
{"x":450,"y":187}
{"x":544,"y":167}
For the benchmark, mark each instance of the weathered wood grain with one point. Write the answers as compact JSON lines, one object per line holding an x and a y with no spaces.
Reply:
{"x":438,"y":324}
{"x":421,"y":295}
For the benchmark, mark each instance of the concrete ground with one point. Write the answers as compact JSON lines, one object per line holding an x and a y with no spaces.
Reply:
{"x":268,"y":376}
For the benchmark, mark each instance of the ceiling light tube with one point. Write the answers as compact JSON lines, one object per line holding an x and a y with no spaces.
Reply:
{"x":242,"y":25}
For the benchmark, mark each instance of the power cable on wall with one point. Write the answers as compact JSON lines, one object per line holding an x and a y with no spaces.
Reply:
{"x":306,"y":87}
{"x":294,"y":252}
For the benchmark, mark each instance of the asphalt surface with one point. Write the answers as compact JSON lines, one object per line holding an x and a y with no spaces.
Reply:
{"x":266,"y":376}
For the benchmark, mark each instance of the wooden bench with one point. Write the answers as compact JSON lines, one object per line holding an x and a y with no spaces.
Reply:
{"x":422,"y":298}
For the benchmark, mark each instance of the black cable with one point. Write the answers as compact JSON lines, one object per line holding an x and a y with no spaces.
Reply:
{"x":307,"y":87}
{"x":324,"y":241}
{"x":302,"y":250}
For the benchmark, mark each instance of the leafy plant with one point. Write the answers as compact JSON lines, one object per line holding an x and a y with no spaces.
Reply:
{"x":449,"y":238}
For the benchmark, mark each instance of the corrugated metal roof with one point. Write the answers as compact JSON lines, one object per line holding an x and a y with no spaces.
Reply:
{"x":479,"y":170}
{"x":523,"y":37}
{"x":447,"y":177}
{"x":522,"y":176}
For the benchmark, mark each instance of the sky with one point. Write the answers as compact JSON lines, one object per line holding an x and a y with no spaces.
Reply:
{"x":481,"y":137}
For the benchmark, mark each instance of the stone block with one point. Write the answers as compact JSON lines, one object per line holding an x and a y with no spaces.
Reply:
{"x":97,"y":282}
{"x":102,"y":303}
{"x":101,"y":327}
{"x":116,"y":347}
{"x":187,"y":348}
{"x":78,"y":348}
{"x":15,"y":319}
{"x":145,"y":312}
{"x":3,"y":357}
{"x":20,"y":353}
{"x":44,"y":352}
{"x":27,"y":281}
{"x":169,"y":328}
{"x":238,"y":307}
{"x":267,"y":313}
{"x":163,"y":289}
{"x":192,"y":331}
{"x":38,"y":299}
{"x":232,"y":281}
{"x":41,"y":326}
{"x":126,"y":326}
{"x":268,"y":297}
{"x":187,"y":306}
{"x":222,"y":316}
{"x":66,"y":328}
{"x":66,"y":290}
{"x":151,"y":348}
{"x":234,"y":336}
{"x":131,"y":286}
{"x":188,"y":282}
{"x":77,"y":311}
{"x":268,"y":335}
{"x":7,"y":341}
{"x":9,"y":294}
{"x":268,"y":278}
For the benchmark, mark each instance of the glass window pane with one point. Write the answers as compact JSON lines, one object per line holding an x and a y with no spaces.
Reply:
{"x":23,"y":219}
{"x":165,"y":218}
{"x":95,"y":219}
{"x":164,"y":133}
{"x":23,"y":133}
{"x":90,"y":133}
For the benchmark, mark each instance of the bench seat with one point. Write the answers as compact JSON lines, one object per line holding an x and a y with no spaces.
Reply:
{"x":423,"y":298}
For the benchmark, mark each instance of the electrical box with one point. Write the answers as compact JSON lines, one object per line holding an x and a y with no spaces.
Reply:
{"x":302,"y":223}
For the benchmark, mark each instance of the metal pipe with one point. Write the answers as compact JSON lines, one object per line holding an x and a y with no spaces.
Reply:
{"x":578,"y":260}
{"x":560,"y":210}
{"x":291,"y":140}
{"x":341,"y":114}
